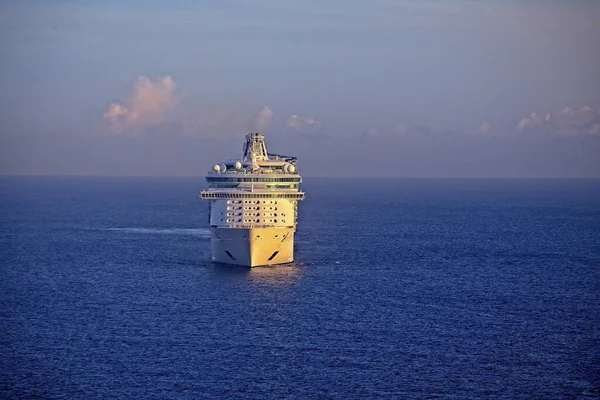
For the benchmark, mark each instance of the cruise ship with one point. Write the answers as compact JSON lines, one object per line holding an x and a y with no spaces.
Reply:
{"x":253,"y":206}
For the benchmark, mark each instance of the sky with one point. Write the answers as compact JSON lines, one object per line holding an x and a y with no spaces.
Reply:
{"x":353,"y":88}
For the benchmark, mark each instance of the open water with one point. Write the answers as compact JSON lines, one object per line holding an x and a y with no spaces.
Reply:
{"x":451,"y":289}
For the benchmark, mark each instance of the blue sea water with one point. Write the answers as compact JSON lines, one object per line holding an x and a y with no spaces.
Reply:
{"x":452,"y":289}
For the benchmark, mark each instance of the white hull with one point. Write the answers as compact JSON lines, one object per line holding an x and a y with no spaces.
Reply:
{"x":252,"y":246}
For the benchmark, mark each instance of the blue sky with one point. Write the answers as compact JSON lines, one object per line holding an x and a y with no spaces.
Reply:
{"x":453,"y":88}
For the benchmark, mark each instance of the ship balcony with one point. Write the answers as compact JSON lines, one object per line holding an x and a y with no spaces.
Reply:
{"x":255,"y":172}
{"x":256,"y":189}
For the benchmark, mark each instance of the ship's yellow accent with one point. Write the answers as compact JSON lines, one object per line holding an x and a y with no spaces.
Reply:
{"x":253,"y":246}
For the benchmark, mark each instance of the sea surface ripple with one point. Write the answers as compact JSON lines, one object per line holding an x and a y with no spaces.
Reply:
{"x":451,"y":289}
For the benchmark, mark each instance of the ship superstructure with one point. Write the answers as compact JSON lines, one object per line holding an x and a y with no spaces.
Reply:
{"x":253,"y":206}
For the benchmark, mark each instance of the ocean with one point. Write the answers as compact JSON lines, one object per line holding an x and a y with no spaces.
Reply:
{"x":401,"y":288}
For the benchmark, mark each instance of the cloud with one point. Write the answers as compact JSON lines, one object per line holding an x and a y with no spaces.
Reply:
{"x":146,"y":106}
{"x":569,"y":116}
{"x":303,"y":124}
{"x":594,"y":129}
{"x":568,"y":121}
{"x":484,"y":127}
{"x":262,"y":119}
{"x":371,"y":132}
{"x":531,"y":121}
{"x":400,"y":130}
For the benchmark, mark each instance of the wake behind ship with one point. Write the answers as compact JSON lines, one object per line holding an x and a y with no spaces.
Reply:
{"x":253,"y":206}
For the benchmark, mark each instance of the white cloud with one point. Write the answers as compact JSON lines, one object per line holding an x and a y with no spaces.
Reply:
{"x":262,"y":119}
{"x":306,"y":124}
{"x":569,"y":121}
{"x":533,"y":120}
{"x":147,"y":105}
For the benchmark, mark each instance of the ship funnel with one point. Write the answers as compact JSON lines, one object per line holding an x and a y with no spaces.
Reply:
{"x":255,"y":148}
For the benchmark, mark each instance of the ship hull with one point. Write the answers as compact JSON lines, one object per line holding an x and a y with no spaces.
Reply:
{"x":252,"y":247}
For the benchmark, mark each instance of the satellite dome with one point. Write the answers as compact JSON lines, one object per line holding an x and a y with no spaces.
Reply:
{"x":291,"y":169}
{"x":223,"y":167}
{"x":216,"y":168}
{"x":238,"y":165}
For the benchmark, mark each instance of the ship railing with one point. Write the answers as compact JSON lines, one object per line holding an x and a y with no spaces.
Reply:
{"x":281,"y":157}
{"x":251,"y":226}
{"x":210,"y":195}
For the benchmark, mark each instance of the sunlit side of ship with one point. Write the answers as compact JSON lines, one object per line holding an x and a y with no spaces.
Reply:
{"x":253,"y":206}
